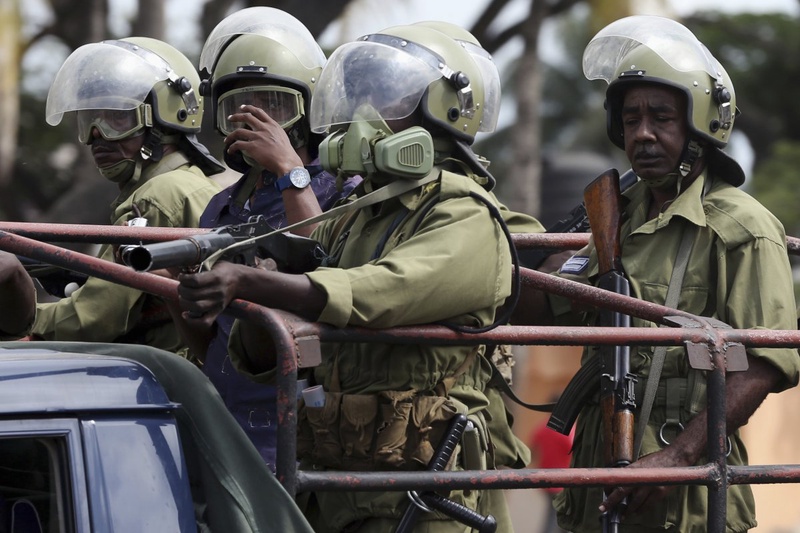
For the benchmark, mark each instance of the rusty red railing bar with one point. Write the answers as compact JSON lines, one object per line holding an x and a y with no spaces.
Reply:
{"x":506,"y":479}
{"x":107,"y":234}
{"x":286,"y":329}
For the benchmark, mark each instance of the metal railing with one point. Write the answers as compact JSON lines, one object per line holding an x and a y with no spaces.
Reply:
{"x":298,"y":346}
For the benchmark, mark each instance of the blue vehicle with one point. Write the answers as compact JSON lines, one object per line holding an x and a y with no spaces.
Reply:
{"x":112,"y":437}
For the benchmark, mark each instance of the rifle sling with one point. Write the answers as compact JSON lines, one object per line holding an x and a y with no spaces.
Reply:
{"x":498,"y":381}
{"x":660,"y":352}
{"x":390,"y":190}
{"x":672,"y":300}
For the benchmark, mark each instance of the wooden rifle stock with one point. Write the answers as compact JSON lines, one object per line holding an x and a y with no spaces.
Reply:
{"x":603,"y":206}
{"x":602,"y":200}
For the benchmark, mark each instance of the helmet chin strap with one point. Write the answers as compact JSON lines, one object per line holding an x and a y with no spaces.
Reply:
{"x":154,"y":141}
{"x":691,"y":153}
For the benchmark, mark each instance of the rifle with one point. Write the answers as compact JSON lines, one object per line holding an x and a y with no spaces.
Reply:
{"x":429,"y":499}
{"x":577,"y":221}
{"x":610,"y":368}
{"x":292,"y":253}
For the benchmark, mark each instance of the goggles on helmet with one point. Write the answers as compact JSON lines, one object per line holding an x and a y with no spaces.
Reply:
{"x":283,"y":105}
{"x":113,"y":124}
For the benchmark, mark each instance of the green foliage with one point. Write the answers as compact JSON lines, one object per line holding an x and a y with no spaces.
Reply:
{"x":776,"y":184}
{"x":760,"y":53}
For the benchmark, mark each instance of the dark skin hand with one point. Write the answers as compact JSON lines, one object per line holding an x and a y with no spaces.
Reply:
{"x":17,"y":295}
{"x":268,"y":144}
{"x":744,"y":392}
{"x":203,"y":296}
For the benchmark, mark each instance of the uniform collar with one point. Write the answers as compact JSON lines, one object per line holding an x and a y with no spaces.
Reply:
{"x":168,"y":163}
{"x":688,"y":205}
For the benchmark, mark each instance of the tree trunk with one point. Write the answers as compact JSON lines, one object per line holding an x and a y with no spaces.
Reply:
{"x":10,"y":57}
{"x":525,"y":170}
{"x":149,"y":20}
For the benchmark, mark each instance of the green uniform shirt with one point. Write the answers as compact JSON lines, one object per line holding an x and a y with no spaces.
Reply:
{"x":447,"y":261}
{"x":739,"y":273}
{"x":171,"y":193}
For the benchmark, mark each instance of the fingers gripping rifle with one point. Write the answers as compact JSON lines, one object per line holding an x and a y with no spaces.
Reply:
{"x":237,"y":243}
{"x":612,"y":363}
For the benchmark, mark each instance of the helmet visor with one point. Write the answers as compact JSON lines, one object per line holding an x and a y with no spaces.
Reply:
{"x":672,"y":41}
{"x":113,"y":124}
{"x":283,"y":105}
{"x":390,"y":79}
{"x":101,"y":76}
{"x":268,"y":22}
{"x":491,"y":87}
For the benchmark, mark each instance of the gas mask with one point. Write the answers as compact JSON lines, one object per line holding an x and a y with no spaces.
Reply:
{"x":369,"y":148}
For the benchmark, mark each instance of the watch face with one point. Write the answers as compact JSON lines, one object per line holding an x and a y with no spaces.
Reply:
{"x":299,"y":177}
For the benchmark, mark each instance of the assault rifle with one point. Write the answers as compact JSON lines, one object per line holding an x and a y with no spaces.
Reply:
{"x":611,"y":366}
{"x":576,"y":222}
{"x":293,"y":254}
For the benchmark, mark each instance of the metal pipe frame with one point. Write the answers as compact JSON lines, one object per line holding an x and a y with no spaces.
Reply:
{"x":293,"y":336}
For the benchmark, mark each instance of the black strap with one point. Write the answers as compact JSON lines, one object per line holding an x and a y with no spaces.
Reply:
{"x":498,"y":382}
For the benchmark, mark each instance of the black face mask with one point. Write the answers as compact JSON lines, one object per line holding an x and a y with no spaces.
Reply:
{"x":236,"y":161}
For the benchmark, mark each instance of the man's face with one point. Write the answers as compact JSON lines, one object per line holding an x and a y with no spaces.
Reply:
{"x":107,"y":153}
{"x":654,"y":128}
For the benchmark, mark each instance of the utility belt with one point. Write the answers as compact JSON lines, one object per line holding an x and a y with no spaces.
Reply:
{"x":390,"y":430}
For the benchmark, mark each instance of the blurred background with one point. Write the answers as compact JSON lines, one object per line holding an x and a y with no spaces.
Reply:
{"x":549,"y":144}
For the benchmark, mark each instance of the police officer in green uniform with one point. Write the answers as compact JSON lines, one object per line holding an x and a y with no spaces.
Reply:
{"x":17,"y":298}
{"x":507,"y":445}
{"x":671,"y":107}
{"x":138,"y":107}
{"x":430,"y":250}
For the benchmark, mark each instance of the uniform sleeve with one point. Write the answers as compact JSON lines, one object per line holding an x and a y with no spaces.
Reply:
{"x":763,"y":264}
{"x":100,"y":311}
{"x":421,"y":280}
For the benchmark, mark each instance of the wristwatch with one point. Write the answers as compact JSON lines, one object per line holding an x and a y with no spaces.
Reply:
{"x":298,"y":178}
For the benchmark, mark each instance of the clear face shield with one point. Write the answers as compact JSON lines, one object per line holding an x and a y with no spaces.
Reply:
{"x":390,"y":80}
{"x":284,"y":105}
{"x":673,"y":42}
{"x":268,"y":22}
{"x":102,"y":76}
{"x":491,"y":85}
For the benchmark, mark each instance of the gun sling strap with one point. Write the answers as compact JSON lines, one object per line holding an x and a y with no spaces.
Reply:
{"x":390,"y":190}
{"x":660,"y":352}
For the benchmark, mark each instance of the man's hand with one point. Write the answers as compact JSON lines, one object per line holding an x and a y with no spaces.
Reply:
{"x":17,"y":295}
{"x":203,"y":296}
{"x":744,"y":392}
{"x":263,"y":140}
{"x":639,"y":498}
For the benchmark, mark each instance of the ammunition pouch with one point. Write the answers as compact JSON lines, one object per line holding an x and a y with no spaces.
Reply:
{"x":391,"y":430}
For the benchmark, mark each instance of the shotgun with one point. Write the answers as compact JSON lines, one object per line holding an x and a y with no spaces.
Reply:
{"x":292,"y":253}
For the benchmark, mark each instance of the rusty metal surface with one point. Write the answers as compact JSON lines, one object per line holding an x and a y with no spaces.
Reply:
{"x":506,"y":479}
{"x":99,"y":234}
{"x":297,"y":343}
